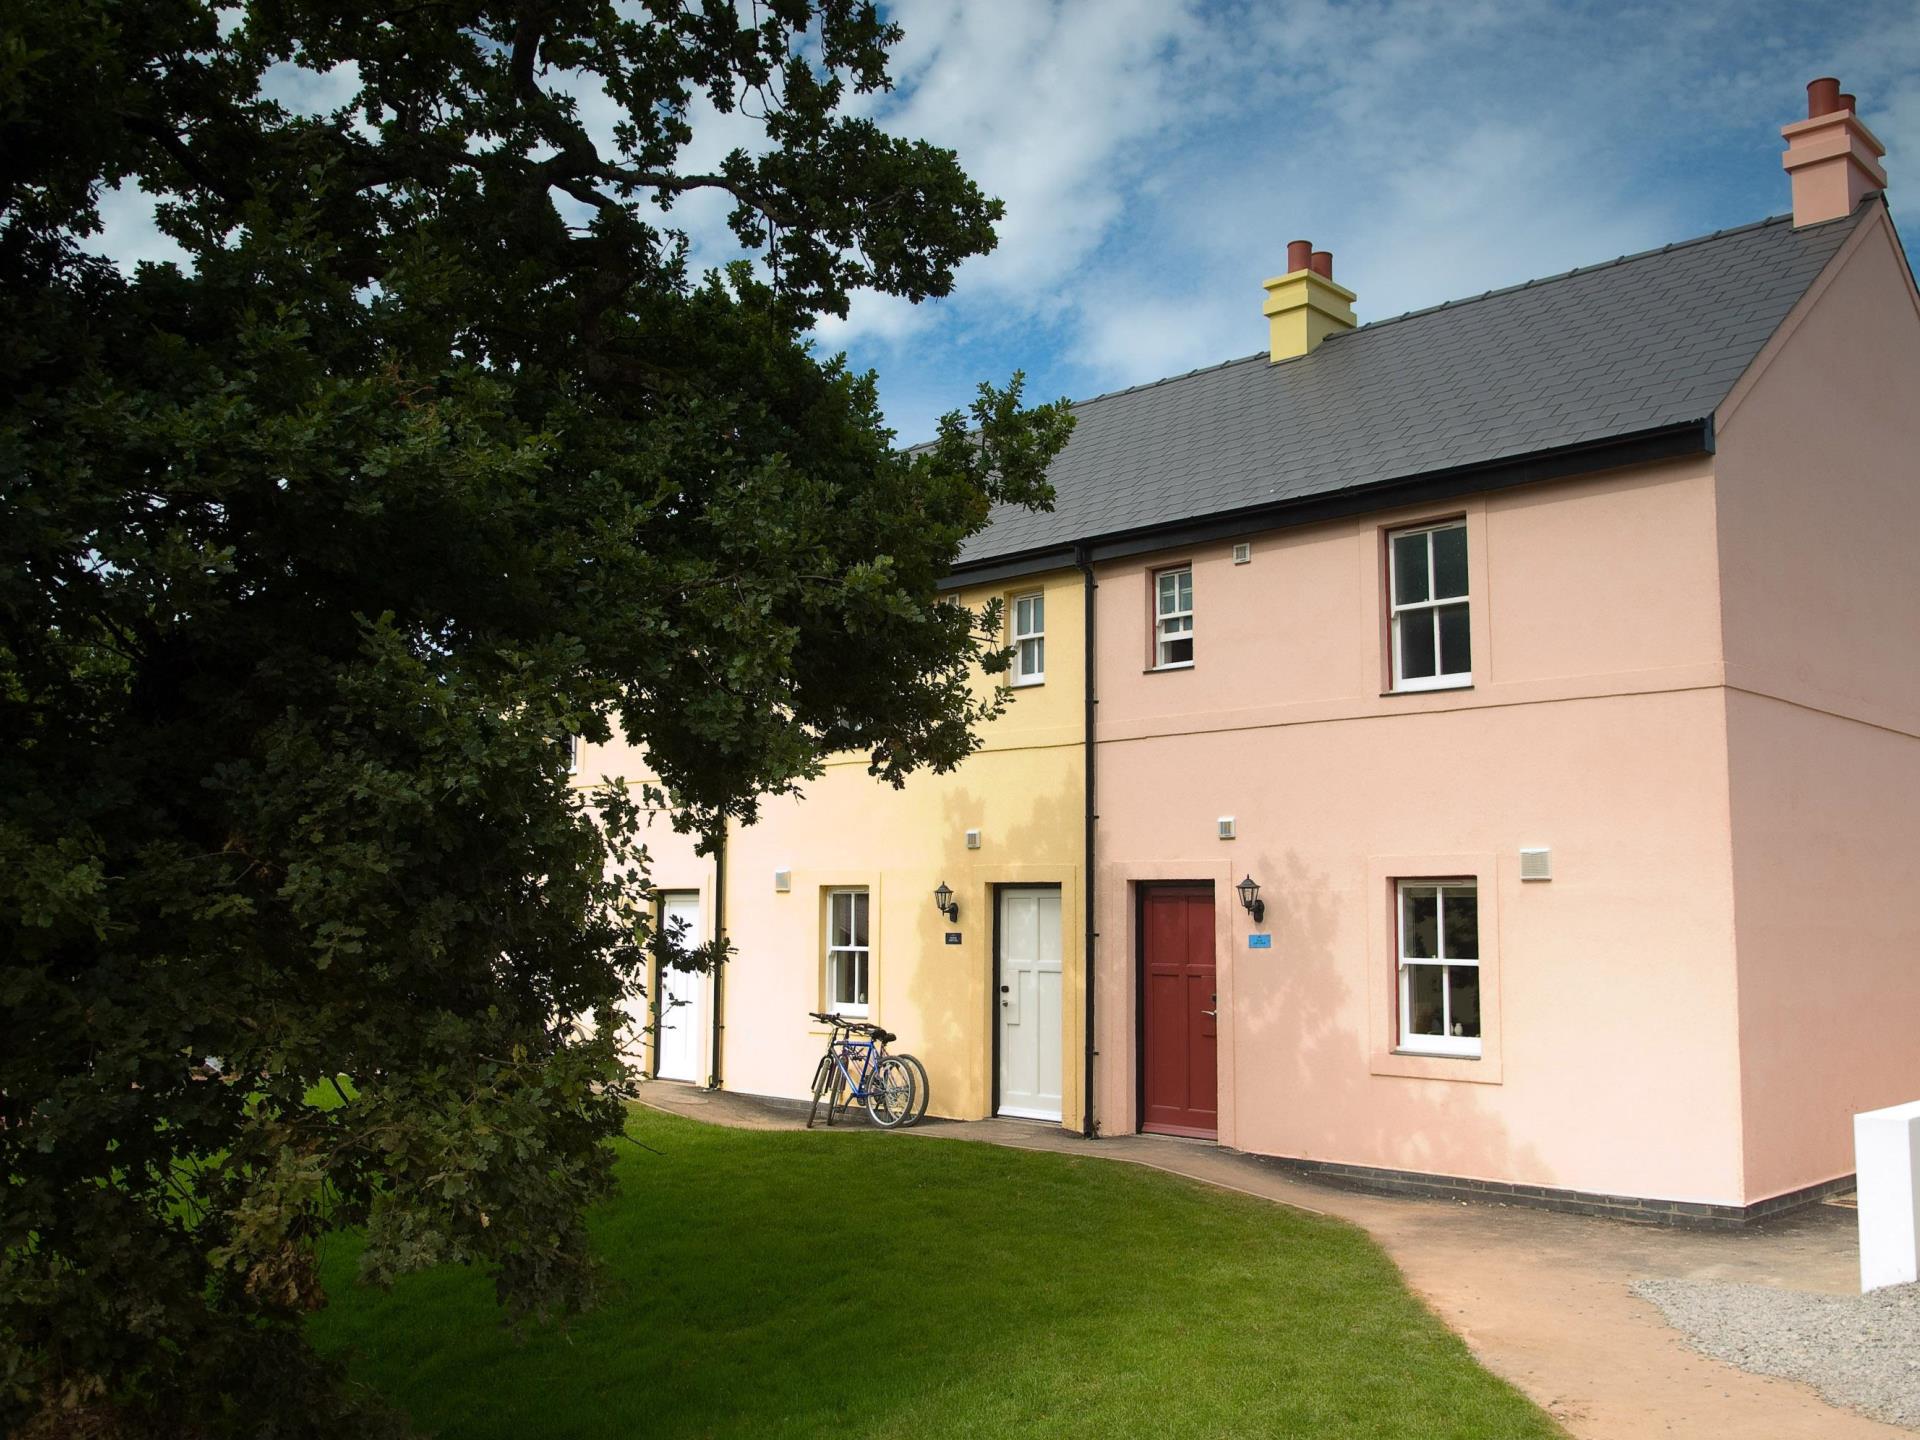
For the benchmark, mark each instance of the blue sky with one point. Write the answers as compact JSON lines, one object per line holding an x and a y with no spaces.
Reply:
{"x":1156,"y":156}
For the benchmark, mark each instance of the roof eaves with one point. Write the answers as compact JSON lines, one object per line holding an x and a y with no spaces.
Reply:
{"x":1007,"y":567}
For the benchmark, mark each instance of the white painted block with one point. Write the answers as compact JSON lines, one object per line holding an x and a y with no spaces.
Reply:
{"x":1886,"y":1157}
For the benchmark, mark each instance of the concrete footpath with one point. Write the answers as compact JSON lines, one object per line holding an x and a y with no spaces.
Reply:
{"x":1543,"y":1300}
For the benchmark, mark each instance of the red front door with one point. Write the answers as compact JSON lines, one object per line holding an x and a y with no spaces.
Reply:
{"x":1180,"y":1084}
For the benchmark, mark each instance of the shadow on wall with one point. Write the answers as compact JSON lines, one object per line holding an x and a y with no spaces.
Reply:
{"x":1305,"y":1088}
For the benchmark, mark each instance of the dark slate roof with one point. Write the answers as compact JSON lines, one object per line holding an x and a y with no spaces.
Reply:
{"x":1613,"y":350}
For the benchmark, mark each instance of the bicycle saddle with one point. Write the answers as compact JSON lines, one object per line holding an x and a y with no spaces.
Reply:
{"x":885,"y":1037}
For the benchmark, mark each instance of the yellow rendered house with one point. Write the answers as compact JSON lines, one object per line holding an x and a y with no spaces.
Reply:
{"x":829,"y":902}
{"x":831,"y":898}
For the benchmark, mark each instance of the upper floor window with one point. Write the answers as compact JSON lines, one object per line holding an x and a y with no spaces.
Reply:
{"x":1439,"y":925}
{"x":1029,"y":639}
{"x":573,"y":754}
{"x":848,"y":954}
{"x":1173,"y":618}
{"x":1427,"y":589}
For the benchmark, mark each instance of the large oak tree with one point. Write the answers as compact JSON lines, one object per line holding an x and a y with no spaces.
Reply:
{"x":433,"y":451}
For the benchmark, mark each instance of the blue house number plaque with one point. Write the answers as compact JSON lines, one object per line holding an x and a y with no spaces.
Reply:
{"x":1259,"y":942}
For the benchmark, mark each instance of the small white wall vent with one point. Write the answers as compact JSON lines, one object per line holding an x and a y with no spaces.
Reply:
{"x":782,"y":881}
{"x":1226,"y":827}
{"x":1242,"y":553}
{"x":1536,"y":863}
{"x":973,"y":839}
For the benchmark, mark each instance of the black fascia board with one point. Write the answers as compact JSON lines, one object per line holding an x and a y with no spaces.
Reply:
{"x":1029,"y":562}
{"x":1664,"y":442}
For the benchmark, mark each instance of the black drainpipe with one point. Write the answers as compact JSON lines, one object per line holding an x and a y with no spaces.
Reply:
{"x":719,"y":950}
{"x":1081,"y":558}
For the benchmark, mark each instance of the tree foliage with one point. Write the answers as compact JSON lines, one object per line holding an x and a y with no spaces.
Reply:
{"x":436,"y":450}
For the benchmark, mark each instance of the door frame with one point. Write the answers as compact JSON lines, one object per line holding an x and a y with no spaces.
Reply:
{"x":656,"y":976}
{"x":1140,"y":889}
{"x":994,"y":891}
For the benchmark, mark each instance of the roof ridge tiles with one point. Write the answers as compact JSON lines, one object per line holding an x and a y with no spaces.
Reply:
{"x":1164,"y":380}
{"x":1648,"y":254}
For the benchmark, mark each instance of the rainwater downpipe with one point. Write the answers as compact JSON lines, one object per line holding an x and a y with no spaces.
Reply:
{"x":1083,"y":559}
{"x":719,"y":951}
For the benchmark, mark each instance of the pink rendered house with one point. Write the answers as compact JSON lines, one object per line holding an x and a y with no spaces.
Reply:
{"x":1550,"y":661}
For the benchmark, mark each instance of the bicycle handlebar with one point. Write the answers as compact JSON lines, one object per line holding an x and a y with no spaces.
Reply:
{"x":856,"y":1027}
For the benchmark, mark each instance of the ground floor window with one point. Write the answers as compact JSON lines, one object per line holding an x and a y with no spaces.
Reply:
{"x":1439,"y":925}
{"x":848,"y":953}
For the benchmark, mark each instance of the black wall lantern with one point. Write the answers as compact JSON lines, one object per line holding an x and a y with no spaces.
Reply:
{"x":944,"y":902}
{"x":1250,"y":897}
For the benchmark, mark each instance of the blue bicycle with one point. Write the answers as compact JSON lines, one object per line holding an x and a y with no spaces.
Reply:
{"x":858,"y":1067}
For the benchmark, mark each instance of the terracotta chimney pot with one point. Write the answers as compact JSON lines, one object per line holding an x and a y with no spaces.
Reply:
{"x":1297,"y":253}
{"x":1321,"y":263}
{"x":1823,"y":97}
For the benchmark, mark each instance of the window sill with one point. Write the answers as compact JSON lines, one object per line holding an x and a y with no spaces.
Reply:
{"x":1448,"y":687}
{"x":1482,"y":1069}
{"x":1177,"y":665}
{"x":1027,"y":684}
{"x":1405,"y":1053}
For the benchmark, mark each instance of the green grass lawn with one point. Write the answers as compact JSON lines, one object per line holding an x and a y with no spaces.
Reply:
{"x":782,"y":1284}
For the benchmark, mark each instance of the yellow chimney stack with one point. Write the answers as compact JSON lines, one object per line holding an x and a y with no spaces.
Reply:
{"x":1304,"y":306}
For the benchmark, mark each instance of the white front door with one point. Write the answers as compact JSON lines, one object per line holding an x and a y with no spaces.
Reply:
{"x":1029,"y":997}
{"x":683,"y":999}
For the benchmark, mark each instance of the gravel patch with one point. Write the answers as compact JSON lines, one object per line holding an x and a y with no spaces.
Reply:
{"x":1861,"y":1351}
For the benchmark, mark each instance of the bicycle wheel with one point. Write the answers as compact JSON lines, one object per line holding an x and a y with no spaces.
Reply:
{"x":839,"y":1092}
{"x":890,"y":1089}
{"x":823,"y":1077}
{"x":921,"y":1089}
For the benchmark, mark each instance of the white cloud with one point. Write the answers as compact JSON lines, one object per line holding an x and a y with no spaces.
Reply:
{"x":1058,"y":109}
{"x":874,"y":317}
{"x":129,"y":233}
{"x":305,"y":91}
{"x":1882,"y":66}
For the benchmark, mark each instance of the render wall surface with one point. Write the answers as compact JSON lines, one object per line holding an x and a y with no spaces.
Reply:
{"x":1819,"y":505}
{"x":1022,"y":791}
{"x":1595,"y":726}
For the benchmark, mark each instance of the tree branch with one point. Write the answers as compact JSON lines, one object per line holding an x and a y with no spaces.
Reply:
{"x":527,"y":34}
{"x":176,"y":148}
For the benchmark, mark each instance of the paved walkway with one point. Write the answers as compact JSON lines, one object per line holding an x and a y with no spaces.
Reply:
{"x":1543,"y":1300}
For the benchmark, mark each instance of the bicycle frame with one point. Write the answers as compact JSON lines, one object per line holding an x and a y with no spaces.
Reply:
{"x":847,"y":1050}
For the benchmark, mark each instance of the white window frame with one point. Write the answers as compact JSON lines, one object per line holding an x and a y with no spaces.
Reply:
{"x":1431,"y":607}
{"x":863,"y":951}
{"x":1033,"y":634}
{"x":573,"y":754}
{"x":1407,"y":1043}
{"x":1162,"y":636}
